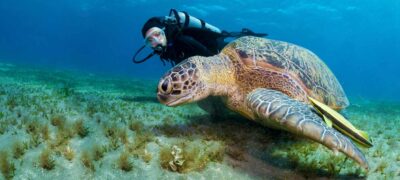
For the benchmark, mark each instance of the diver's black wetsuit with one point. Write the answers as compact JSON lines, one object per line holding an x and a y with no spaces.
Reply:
{"x":191,"y":42}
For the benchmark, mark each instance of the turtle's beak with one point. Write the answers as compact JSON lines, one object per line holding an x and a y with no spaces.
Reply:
{"x":171,"y":100}
{"x":162,"y":98}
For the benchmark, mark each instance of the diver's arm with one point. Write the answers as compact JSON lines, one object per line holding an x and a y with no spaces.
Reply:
{"x":185,"y":46}
{"x":194,"y":46}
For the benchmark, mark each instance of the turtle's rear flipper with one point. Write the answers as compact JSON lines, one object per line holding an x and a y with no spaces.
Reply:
{"x":276,"y":109}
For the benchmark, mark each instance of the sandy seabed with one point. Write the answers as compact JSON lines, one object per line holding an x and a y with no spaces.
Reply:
{"x":74,"y":125}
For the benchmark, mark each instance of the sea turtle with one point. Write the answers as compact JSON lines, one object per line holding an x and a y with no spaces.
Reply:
{"x":267,"y":81}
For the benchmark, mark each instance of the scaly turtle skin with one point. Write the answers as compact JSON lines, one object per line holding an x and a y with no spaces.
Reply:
{"x":266,"y":81}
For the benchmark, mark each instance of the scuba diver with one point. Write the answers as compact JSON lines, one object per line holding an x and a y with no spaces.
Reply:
{"x":178,"y":36}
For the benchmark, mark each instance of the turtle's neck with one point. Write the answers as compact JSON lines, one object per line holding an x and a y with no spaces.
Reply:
{"x":220,"y":77}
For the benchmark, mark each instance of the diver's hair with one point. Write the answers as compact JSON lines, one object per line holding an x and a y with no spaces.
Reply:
{"x":152,"y":22}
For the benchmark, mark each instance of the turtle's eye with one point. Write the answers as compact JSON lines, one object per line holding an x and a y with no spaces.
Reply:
{"x":165,"y":86}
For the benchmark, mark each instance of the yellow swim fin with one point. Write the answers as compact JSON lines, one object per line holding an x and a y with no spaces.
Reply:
{"x":327,"y":121}
{"x":341,"y":123}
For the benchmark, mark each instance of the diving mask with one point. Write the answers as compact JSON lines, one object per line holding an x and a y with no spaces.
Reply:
{"x":155,"y":38}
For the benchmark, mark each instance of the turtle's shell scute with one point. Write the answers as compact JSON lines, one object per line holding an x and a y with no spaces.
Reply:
{"x":303,"y":68}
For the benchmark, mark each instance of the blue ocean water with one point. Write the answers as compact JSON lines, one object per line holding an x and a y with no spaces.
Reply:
{"x":359,"y":40}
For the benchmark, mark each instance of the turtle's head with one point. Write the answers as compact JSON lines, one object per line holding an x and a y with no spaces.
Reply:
{"x":182,"y":84}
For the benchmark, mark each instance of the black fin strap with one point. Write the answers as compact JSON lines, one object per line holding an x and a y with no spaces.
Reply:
{"x":144,"y":59}
{"x":187,"y":19}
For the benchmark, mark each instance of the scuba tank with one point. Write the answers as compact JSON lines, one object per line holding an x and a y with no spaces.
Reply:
{"x":184,"y":20}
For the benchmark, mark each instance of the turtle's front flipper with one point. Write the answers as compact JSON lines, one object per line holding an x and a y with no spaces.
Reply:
{"x":279,"y":110}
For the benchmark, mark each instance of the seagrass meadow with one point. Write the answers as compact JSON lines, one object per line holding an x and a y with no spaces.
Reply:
{"x":75,"y":125}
